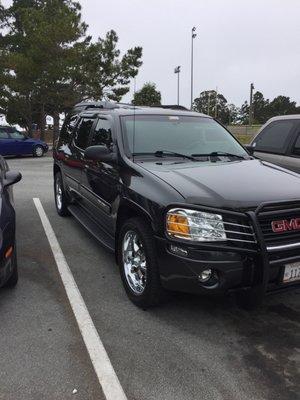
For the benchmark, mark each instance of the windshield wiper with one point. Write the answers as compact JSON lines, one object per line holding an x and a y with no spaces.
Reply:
{"x":219,"y":153}
{"x":163,"y":153}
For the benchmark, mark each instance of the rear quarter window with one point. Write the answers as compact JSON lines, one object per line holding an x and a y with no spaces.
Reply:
{"x":67,"y":129}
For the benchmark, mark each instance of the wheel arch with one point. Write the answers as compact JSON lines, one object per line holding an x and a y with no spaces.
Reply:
{"x":127,"y":210}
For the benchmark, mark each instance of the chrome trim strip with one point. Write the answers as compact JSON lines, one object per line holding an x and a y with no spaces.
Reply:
{"x":204,"y":239}
{"x":216,"y":229}
{"x":283,"y":247}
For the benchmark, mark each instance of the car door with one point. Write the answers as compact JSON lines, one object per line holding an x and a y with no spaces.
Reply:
{"x":18,"y":143}
{"x":74,"y":162}
{"x":100,"y":181}
{"x":5,"y":142}
{"x":272,"y":143}
{"x":291,"y":160}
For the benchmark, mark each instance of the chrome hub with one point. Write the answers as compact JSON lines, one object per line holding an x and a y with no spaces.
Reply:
{"x":134,"y":262}
{"x":58,"y":192}
{"x":39,"y":151}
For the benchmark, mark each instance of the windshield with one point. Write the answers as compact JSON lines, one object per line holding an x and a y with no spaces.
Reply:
{"x":181,"y":134}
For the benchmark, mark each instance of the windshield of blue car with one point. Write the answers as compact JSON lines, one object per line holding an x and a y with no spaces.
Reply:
{"x":185,"y":135}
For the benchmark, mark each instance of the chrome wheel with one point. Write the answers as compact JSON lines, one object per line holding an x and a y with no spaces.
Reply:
{"x":58,"y":194}
{"x":134,"y":262}
{"x":39,"y":151}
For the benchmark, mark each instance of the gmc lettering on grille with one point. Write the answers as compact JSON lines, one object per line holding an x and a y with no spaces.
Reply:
{"x":284,"y":225}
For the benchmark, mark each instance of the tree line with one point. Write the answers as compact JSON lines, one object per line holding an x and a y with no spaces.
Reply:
{"x":48,"y":62}
{"x":215,"y":104}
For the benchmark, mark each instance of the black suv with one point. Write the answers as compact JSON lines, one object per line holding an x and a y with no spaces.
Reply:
{"x":180,"y":202}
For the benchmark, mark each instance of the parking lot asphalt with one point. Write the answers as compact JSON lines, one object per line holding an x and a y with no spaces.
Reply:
{"x":190,"y":348}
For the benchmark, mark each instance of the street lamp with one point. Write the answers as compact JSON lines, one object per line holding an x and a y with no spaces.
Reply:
{"x":194,"y":34}
{"x":177,"y":71}
{"x":251,"y":105}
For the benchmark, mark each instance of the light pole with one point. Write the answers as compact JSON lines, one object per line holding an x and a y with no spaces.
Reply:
{"x":192,"y":63}
{"x":251,"y":105}
{"x":177,"y":71}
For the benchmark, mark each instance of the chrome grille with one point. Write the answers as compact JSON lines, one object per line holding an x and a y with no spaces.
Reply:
{"x":239,"y":232}
{"x":279,"y":240}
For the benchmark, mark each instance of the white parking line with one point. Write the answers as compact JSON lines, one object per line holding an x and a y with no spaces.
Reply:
{"x":107,"y":377}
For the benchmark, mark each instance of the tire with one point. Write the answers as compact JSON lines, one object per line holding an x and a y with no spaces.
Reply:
{"x":150,"y":292}
{"x":13,"y":279}
{"x":38,"y":151}
{"x":60,"y":196}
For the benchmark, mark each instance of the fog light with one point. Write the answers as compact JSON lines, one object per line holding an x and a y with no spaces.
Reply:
{"x":205,"y":275}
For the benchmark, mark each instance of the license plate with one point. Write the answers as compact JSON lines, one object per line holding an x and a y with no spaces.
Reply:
{"x":291,"y":272}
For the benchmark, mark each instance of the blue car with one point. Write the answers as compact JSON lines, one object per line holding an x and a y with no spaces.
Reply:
{"x":15,"y":143}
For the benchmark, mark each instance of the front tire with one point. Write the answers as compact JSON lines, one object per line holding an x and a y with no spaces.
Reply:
{"x":138,"y":264}
{"x":61,"y":197}
{"x":38,"y":151}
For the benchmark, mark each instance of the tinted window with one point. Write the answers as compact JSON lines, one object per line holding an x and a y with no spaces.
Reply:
{"x":102,"y":134}
{"x":68,"y":127}
{"x":3,"y":134}
{"x":296,"y":149}
{"x":275,"y":137}
{"x":83,"y":132}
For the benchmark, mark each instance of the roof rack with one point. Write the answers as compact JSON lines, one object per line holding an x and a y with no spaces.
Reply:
{"x":173,"y":107}
{"x":88,"y":105}
{"x":107,"y":105}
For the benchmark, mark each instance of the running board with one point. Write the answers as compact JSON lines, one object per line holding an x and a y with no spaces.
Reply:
{"x":92,"y":227}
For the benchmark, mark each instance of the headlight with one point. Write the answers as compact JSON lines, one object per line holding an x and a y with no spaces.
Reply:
{"x":195,"y":225}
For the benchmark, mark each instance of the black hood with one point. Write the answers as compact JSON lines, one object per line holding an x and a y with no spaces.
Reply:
{"x":232,"y":185}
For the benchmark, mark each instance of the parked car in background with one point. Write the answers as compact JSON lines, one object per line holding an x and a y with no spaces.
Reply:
{"x":278,"y":141}
{"x":8,"y":254}
{"x":16,"y":143}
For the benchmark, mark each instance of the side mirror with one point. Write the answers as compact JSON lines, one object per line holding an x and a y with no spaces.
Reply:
{"x":250,"y":149}
{"x":99,"y":153}
{"x":11,"y":177}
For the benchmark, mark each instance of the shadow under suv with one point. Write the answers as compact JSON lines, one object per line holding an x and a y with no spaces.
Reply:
{"x":180,"y":202}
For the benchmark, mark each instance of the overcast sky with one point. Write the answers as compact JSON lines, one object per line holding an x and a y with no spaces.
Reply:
{"x":238,"y":42}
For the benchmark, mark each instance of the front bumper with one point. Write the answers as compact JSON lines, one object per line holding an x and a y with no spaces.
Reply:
{"x":236,"y":269}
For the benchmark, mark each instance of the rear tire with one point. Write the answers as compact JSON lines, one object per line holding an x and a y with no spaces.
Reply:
{"x":138,"y":264}
{"x":61,"y":197}
{"x":38,"y":151}
{"x":13,"y":279}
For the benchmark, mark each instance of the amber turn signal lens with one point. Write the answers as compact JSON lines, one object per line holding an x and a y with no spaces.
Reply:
{"x":177,"y":225}
{"x":9,"y":252}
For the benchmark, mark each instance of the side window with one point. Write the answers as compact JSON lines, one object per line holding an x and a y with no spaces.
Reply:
{"x":102,"y":134}
{"x":296,"y":148}
{"x":275,"y":137}
{"x":3,"y":134}
{"x":16,"y":135}
{"x":67,"y":128}
{"x":83,"y":132}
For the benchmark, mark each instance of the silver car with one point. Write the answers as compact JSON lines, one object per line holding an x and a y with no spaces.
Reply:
{"x":278,"y":141}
